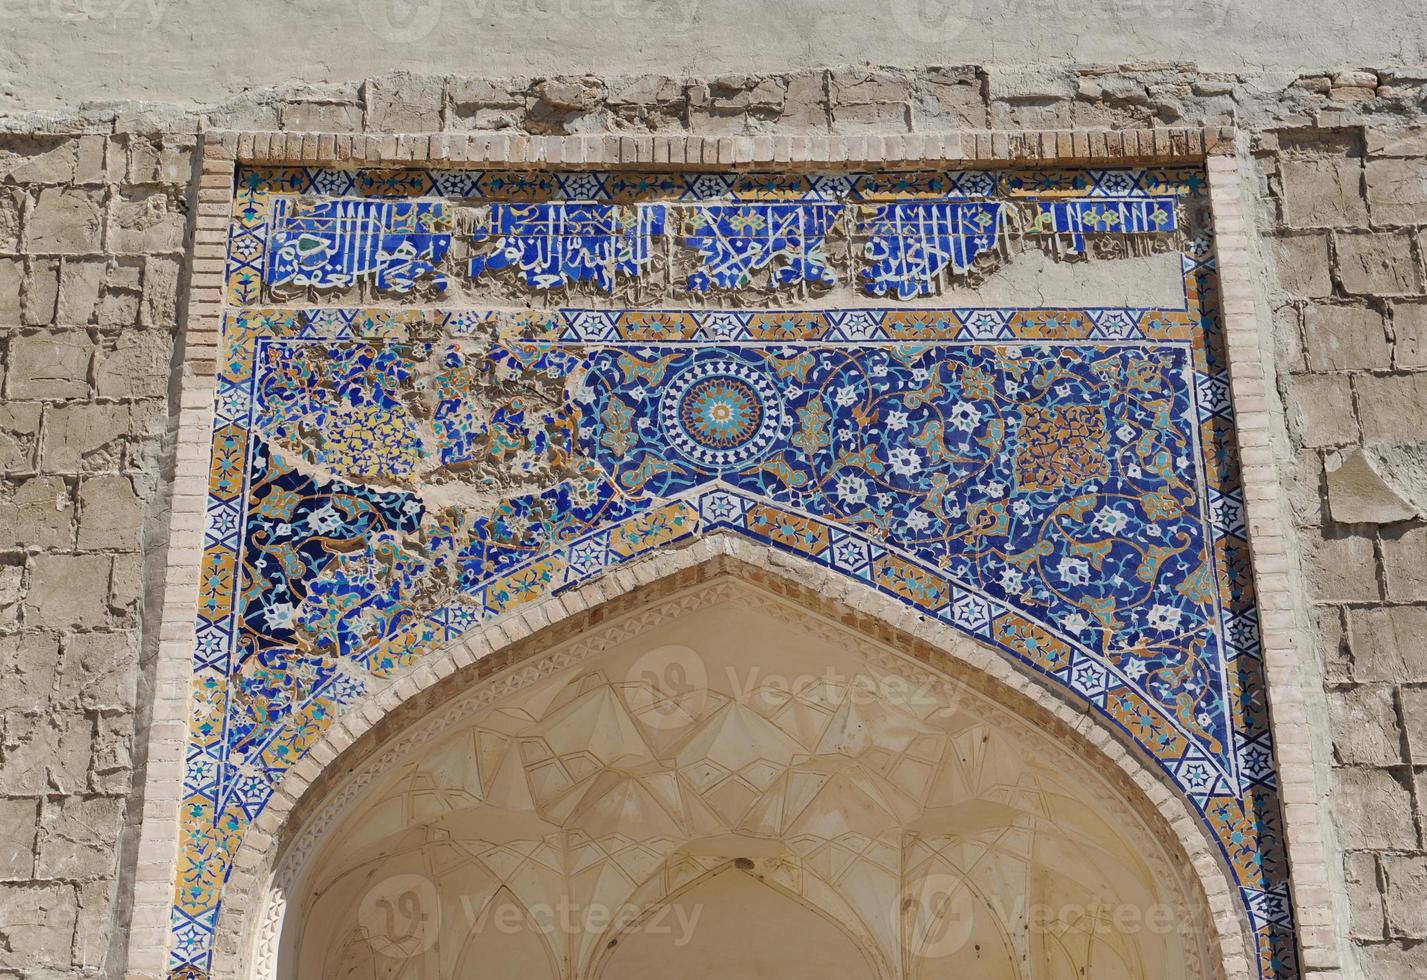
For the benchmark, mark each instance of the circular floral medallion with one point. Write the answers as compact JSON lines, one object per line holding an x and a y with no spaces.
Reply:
{"x":721,"y":414}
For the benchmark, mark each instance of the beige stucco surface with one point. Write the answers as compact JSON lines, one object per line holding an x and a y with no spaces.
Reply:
{"x":204,"y":51}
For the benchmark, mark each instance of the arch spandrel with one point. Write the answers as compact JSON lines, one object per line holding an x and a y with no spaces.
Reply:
{"x":402,"y":460}
{"x":970,"y":799}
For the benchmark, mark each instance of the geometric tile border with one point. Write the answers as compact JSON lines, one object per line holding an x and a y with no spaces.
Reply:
{"x":150,"y":938}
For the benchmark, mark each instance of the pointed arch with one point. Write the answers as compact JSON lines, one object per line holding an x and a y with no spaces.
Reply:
{"x":521,"y":951}
{"x":495,"y":658}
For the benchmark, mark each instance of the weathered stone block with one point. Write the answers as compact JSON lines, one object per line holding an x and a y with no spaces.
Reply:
{"x":44,"y":754}
{"x":1320,"y":410}
{"x":1373,"y":809}
{"x":89,"y":165}
{"x":1388,"y":643}
{"x":244,"y":112}
{"x":160,"y":295}
{"x":68,"y":590}
{"x":93,"y":931}
{"x":1407,"y":142}
{"x":19,"y":435}
{"x":1303,"y":269}
{"x":1287,"y":338}
{"x":138,"y":366}
{"x":1365,"y":726}
{"x":125,"y":273}
{"x":126,"y":586}
{"x":110,"y":513}
{"x":78,"y":837}
{"x":1393,"y":408}
{"x":1397,"y":191}
{"x":572,"y":94}
{"x":1342,"y":569}
{"x":1303,"y":483}
{"x":864,"y":100}
{"x":1359,"y":494}
{"x":18,"y":821}
{"x":1364,"y":895}
{"x":1414,"y":715}
{"x":1030,"y":84}
{"x":175,"y":159}
{"x":468,"y":95}
{"x":38,"y":159}
{"x":1404,"y":563}
{"x":147,"y":221}
{"x":1378,"y":263}
{"x":948,"y":98}
{"x":113,"y":763}
{"x":39,"y":928}
{"x":404,"y":103}
{"x":1323,"y":191}
{"x":727,"y":104}
{"x":1409,"y":331}
{"x":12,"y":280}
{"x":42,"y":292}
{"x":652,"y":102}
{"x":66,"y":221}
{"x":120,"y":309}
{"x":1016,"y":114}
{"x":50,"y":366}
{"x":1345,"y":338}
{"x":85,"y":437}
{"x":79,"y":284}
{"x":100,"y":671}
{"x":1108,"y":102}
{"x":805,"y":105}
{"x":11,"y":592}
{"x":1331,"y":644}
{"x":12,"y":202}
{"x":1405,"y":895}
{"x":321,"y":117}
{"x":37,"y":514}
{"x":142,"y":152}
{"x":28,"y":666}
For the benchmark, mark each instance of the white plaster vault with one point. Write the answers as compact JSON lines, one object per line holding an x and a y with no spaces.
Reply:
{"x":806,"y":799}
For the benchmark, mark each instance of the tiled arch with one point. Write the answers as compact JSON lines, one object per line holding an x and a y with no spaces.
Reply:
{"x":315,"y":792}
{"x":151,"y":937}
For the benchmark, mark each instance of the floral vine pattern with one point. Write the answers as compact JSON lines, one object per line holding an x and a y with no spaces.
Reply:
{"x":388,"y":474}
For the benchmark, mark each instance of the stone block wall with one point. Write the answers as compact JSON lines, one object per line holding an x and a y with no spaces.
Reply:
{"x":92,"y":236}
{"x":1346,"y":210}
{"x":93,"y":225}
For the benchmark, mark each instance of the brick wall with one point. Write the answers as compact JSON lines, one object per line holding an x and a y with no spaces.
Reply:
{"x":92,"y":234}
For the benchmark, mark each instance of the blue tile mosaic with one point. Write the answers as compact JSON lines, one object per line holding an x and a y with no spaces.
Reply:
{"x":1059,"y":482}
{"x":339,"y":243}
{"x":555,"y":244}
